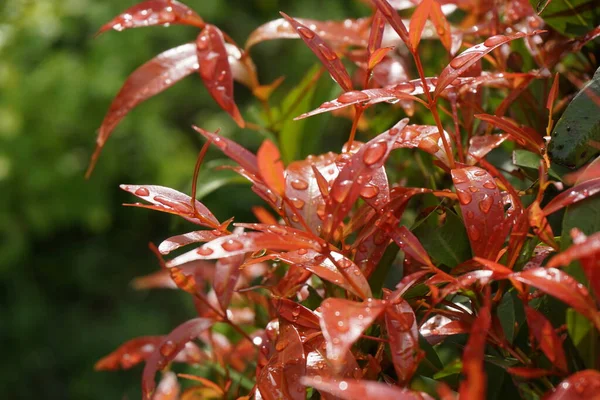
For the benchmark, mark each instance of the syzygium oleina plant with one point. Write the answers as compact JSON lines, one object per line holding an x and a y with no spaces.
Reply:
{"x":418,"y":260}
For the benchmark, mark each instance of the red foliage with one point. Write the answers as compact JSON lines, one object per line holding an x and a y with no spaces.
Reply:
{"x":303,"y":292}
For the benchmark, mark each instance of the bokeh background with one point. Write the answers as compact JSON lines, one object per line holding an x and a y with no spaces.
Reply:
{"x":68,"y":249}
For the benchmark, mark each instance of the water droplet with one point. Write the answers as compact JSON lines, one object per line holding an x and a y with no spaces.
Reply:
{"x":369,"y":191}
{"x":353,"y":96}
{"x":489,"y":185}
{"x":167,"y":348}
{"x":474,"y":233}
{"x":232,"y":245}
{"x":341,"y":327}
{"x":205,"y":251}
{"x":480,"y":172}
{"x":340,"y":191}
{"x":327,"y":52}
{"x":495,"y":40}
{"x":486,"y":204}
{"x":462,"y":60}
{"x":459,"y":177}
{"x":299,"y":184}
{"x":473,"y":189}
{"x":470,"y":214}
{"x":429,"y":145}
{"x":307,"y":33}
{"x":374,"y":153}
{"x":299,"y":204}
{"x":302,"y":252}
{"x":142,"y":192}
{"x":464,"y":197}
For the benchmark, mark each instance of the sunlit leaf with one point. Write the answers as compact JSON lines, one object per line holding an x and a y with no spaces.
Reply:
{"x":393,"y":19}
{"x":573,"y":195}
{"x":417,"y":22}
{"x":361,"y":390}
{"x":168,"y":388}
{"x":271,"y":167}
{"x":581,"y":385}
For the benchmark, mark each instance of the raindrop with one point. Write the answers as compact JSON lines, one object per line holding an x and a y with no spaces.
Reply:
{"x":464,"y":197}
{"x":299,"y":204}
{"x":340,"y":191}
{"x":474,"y":233}
{"x":232,"y":245}
{"x":462,"y":60}
{"x":142,"y":192}
{"x":205,"y":251}
{"x":167,"y":348}
{"x":353,"y":96}
{"x":299,"y":184}
{"x":473,"y":189}
{"x":495,"y":40}
{"x":302,"y":252}
{"x":489,"y":185}
{"x":327,"y":52}
{"x":305,"y":32}
{"x":368,"y":192}
{"x":374,"y":153}
{"x":486,"y":204}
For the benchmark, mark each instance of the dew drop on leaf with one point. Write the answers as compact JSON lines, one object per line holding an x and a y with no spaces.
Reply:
{"x":462,"y":59}
{"x":142,"y":192}
{"x":489,"y":185}
{"x":464,"y":197}
{"x":167,"y":348}
{"x":205,"y":251}
{"x":299,"y":184}
{"x":374,"y":153}
{"x":474,"y":233}
{"x":486,"y":204}
{"x":352,"y":96}
{"x":307,"y":33}
{"x":495,"y":40}
{"x":340,"y":192}
{"x":368,"y":192}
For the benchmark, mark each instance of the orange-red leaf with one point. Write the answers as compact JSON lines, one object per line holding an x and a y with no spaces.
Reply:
{"x":237,"y":153}
{"x":227,"y":274}
{"x":577,"y":193}
{"x":344,"y":321}
{"x":154,"y":12}
{"x":417,"y":22}
{"x":546,"y":336}
{"x":215,"y":70}
{"x":582,"y":385}
{"x":156,"y":75}
{"x":171,"y":345}
{"x":525,"y":136}
{"x":403,"y":334}
{"x":271,"y":167}
{"x":480,"y":146}
{"x":325,"y":53}
{"x":482,"y":209}
{"x":350,"y":389}
{"x":296,"y":313}
{"x":175,"y":242}
{"x":442,"y":26}
{"x":467,"y":58}
{"x":173,"y":202}
{"x":393,"y":19}
{"x":528,"y":373}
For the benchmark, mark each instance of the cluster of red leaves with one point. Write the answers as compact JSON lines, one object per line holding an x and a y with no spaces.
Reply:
{"x":335,"y":217}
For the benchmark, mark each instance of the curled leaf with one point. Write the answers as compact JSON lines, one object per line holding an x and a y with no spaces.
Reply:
{"x":582,"y":385}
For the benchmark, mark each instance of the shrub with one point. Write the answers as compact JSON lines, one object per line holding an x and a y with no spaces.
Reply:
{"x":442,"y":275}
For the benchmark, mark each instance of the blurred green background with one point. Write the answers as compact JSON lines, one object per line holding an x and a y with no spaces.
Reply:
{"x":68,"y":249}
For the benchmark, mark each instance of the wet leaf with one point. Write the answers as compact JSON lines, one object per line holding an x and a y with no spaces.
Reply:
{"x":480,"y":146}
{"x":168,"y":387}
{"x":409,"y":243}
{"x":546,"y":337}
{"x":154,"y":12}
{"x":570,"y":196}
{"x":176,"y":242}
{"x":581,"y":385}
{"x":403,"y":334}
{"x":361,"y":390}
{"x":525,"y":136}
{"x":227,"y":274}
{"x":325,"y":53}
{"x":461,"y":63}
{"x":343,"y":322}
{"x":482,"y":209}
{"x":426,"y":138}
{"x":171,"y":201}
{"x":296,"y":313}
{"x":237,"y":153}
{"x":417,"y":22}
{"x":569,"y":17}
{"x":171,"y":345}
{"x":528,"y":373}
{"x":393,"y":19}
{"x":442,"y":26}
{"x":215,"y":70}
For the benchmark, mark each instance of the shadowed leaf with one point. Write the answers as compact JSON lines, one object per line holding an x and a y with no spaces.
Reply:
{"x":582,"y":385}
{"x":362,"y":390}
{"x":544,"y":333}
{"x":403,"y":334}
{"x":577,"y":193}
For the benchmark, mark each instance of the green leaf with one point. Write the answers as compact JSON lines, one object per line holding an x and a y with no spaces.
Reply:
{"x":450,"y":369}
{"x":569,"y":17}
{"x":292,"y":132}
{"x":584,"y":337}
{"x":576,"y":133}
{"x":211,"y":178}
{"x":445,"y":239}
{"x":510,"y":312}
{"x":528,"y":159}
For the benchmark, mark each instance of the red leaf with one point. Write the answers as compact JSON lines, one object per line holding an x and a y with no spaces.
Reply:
{"x":227,"y":274}
{"x":139,"y":349}
{"x":564,"y":287}
{"x":352,"y":279}
{"x":168,"y":388}
{"x":344,"y":321}
{"x":482,"y":209}
{"x":437,"y":328}
{"x":442,"y":26}
{"x":175,"y":242}
{"x":173,"y":202}
{"x":327,"y":56}
{"x":296,"y":313}
{"x":357,"y":172}
{"x":215,"y":70}
{"x":237,"y":153}
{"x":552,"y":95}
{"x":362,"y":390}
{"x":467,"y":58}
{"x":376,"y":33}
{"x":173,"y":343}
{"x":302,"y":188}
{"x":270,"y":167}
{"x":403,"y":333}
{"x":340,"y":33}
{"x":393,"y":19}
{"x":409,"y":243}
{"x":407,"y":91}
{"x":417,"y":22}
{"x":528,"y":373}
{"x":582,"y":385}
{"x":577,"y":193}
{"x":547,"y":338}
{"x":480,"y":146}
{"x":201,"y":270}
{"x":156,"y":75}
{"x":280,"y":378}
{"x":525,"y":136}
{"x":242,"y":243}
{"x":474,"y":386}
{"x":154,"y":12}
{"x":540,"y":225}
{"x":426,"y":138}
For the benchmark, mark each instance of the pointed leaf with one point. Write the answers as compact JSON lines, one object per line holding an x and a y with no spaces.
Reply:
{"x":327,"y":56}
{"x":546,"y":337}
{"x":442,"y":26}
{"x":171,"y":345}
{"x":227,"y":274}
{"x":482,"y":208}
{"x":393,"y":19}
{"x":344,"y":321}
{"x":215,"y":70}
{"x":409,"y":243}
{"x":174,"y":202}
{"x":480,"y":146}
{"x":582,"y":385}
{"x":270,"y":166}
{"x":175,"y":242}
{"x":154,"y":12}
{"x":362,"y":390}
{"x":296,"y":313}
{"x":168,"y":388}
{"x":376,"y":33}
{"x":467,"y":58}
{"x":417,"y":22}
{"x":403,"y":334}
{"x":525,"y":136}
{"x":426,"y":138}
{"x":570,"y":196}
